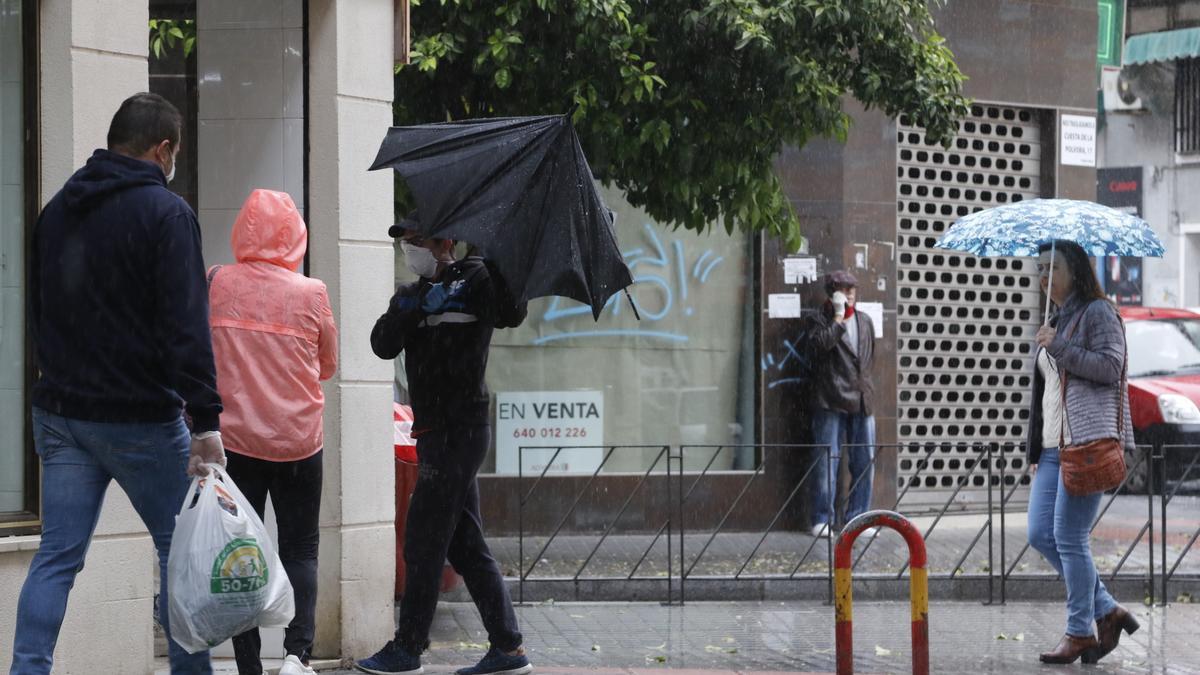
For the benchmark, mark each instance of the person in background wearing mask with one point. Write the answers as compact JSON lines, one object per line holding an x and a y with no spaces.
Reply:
{"x":118,"y":309}
{"x":443,"y":323}
{"x":274,"y":346}
{"x":841,"y":345}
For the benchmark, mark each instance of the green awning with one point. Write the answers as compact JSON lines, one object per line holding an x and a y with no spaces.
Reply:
{"x":1167,"y":45}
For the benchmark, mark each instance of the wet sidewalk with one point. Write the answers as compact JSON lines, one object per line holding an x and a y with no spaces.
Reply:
{"x":721,"y":638}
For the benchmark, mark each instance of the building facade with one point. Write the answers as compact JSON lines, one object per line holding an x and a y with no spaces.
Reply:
{"x":1150,"y":145}
{"x":954,"y":362}
{"x":294,"y":96}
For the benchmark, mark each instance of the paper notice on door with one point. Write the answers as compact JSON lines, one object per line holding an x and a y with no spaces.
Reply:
{"x":875,"y":311}
{"x":783,"y":306}
{"x":799,"y":270}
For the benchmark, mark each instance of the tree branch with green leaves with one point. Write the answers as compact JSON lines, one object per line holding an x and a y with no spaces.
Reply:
{"x":684,"y":104}
{"x":165,"y":34}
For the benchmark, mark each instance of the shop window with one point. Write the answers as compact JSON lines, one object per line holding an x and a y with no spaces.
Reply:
{"x":172,"y":66}
{"x":685,"y":374}
{"x":18,"y":199}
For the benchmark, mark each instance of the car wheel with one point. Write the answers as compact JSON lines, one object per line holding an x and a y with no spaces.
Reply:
{"x":1137,"y":467}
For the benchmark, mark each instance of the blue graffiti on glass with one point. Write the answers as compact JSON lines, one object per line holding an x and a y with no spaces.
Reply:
{"x":671,"y":285}
{"x":791,"y":361}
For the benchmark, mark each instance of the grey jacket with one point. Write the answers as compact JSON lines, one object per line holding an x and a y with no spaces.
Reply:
{"x":841,"y":378}
{"x":1093,"y":359}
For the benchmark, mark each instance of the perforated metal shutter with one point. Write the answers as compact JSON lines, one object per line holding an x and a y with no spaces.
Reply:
{"x":966,"y":324}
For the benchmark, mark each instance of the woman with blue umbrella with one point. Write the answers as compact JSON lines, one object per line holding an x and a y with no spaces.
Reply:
{"x":1083,"y":344}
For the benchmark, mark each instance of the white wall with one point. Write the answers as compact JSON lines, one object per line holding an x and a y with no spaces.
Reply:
{"x":93,"y":56}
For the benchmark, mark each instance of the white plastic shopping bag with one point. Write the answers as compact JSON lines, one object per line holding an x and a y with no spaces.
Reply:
{"x":223,"y":573}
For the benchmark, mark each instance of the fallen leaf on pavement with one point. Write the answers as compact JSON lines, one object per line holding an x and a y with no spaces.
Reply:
{"x":1020,"y":637}
{"x":880,"y":651}
{"x":1002,"y":636}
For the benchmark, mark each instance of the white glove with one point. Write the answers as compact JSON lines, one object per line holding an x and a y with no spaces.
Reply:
{"x":839,"y":305}
{"x":207,"y":448}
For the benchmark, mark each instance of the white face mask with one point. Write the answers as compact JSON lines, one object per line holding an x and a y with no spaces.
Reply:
{"x":419,"y":260}
{"x":174,"y":165}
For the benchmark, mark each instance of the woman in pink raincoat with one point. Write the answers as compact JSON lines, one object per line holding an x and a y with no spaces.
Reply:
{"x":275,"y":340}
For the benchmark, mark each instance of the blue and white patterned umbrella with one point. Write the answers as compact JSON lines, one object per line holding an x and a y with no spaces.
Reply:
{"x":1018,"y":229}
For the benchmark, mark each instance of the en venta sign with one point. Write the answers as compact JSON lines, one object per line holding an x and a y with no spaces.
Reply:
{"x":542,"y":422}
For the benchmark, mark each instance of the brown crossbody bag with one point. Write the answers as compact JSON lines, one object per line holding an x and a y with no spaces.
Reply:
{"x":1099,"y":465}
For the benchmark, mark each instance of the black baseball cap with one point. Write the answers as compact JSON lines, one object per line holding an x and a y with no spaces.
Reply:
{"x":409,"y":222}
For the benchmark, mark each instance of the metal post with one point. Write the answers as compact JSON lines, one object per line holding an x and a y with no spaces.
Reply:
{"x":918,"y":589}
{"x":1150,"y":521}
{"x":682,"y":531}
{"x":832,"y":487}
{"x":1003,"y":532}
{"x":991,"y":538}
{"x":1160,"y":460}
{"x":670,"y":567}
{"x":521,"y":525}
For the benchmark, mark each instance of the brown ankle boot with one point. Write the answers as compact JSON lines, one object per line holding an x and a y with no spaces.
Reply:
{"x":1109,"y":627}
{"x":1071,"y":648}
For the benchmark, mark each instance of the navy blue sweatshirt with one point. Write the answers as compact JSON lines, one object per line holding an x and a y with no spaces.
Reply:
{"x":119,"y":302}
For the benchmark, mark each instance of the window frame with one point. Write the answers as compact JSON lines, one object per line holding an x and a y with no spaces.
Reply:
{"x":1187,"y":108}
{"x":28,"y":521}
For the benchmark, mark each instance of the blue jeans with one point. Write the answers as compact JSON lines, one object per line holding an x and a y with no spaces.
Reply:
{"x":149,"y":462}
{"x":828,"y":428}
{"x":1060,"y":529}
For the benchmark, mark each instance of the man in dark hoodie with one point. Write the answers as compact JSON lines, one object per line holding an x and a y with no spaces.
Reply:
{"x":118,"y":307}
{"x":443,"y":323}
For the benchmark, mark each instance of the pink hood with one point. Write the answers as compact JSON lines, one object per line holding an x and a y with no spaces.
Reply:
{"x":273,"y":335}
{"x":269,"y":229}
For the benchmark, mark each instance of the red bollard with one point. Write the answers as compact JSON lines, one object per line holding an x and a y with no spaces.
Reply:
{"x":918,"y":588}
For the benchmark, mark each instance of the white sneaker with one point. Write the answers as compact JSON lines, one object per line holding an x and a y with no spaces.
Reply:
{"x":820,"y":530}
{"x":292,"y":665}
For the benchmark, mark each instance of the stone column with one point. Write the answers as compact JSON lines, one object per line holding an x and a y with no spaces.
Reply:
{"x":350,"y":94}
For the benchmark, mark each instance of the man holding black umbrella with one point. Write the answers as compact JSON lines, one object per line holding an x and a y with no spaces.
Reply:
{"x":443,"y":323}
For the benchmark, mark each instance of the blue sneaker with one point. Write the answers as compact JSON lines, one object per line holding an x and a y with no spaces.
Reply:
{"x":496,"y":662}
{"x":391,"y":660}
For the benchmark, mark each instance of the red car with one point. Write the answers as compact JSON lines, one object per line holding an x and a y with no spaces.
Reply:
{"x":1164,"y":387}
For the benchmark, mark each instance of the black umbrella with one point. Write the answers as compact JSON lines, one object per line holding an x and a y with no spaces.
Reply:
{"x":521,"y":191}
